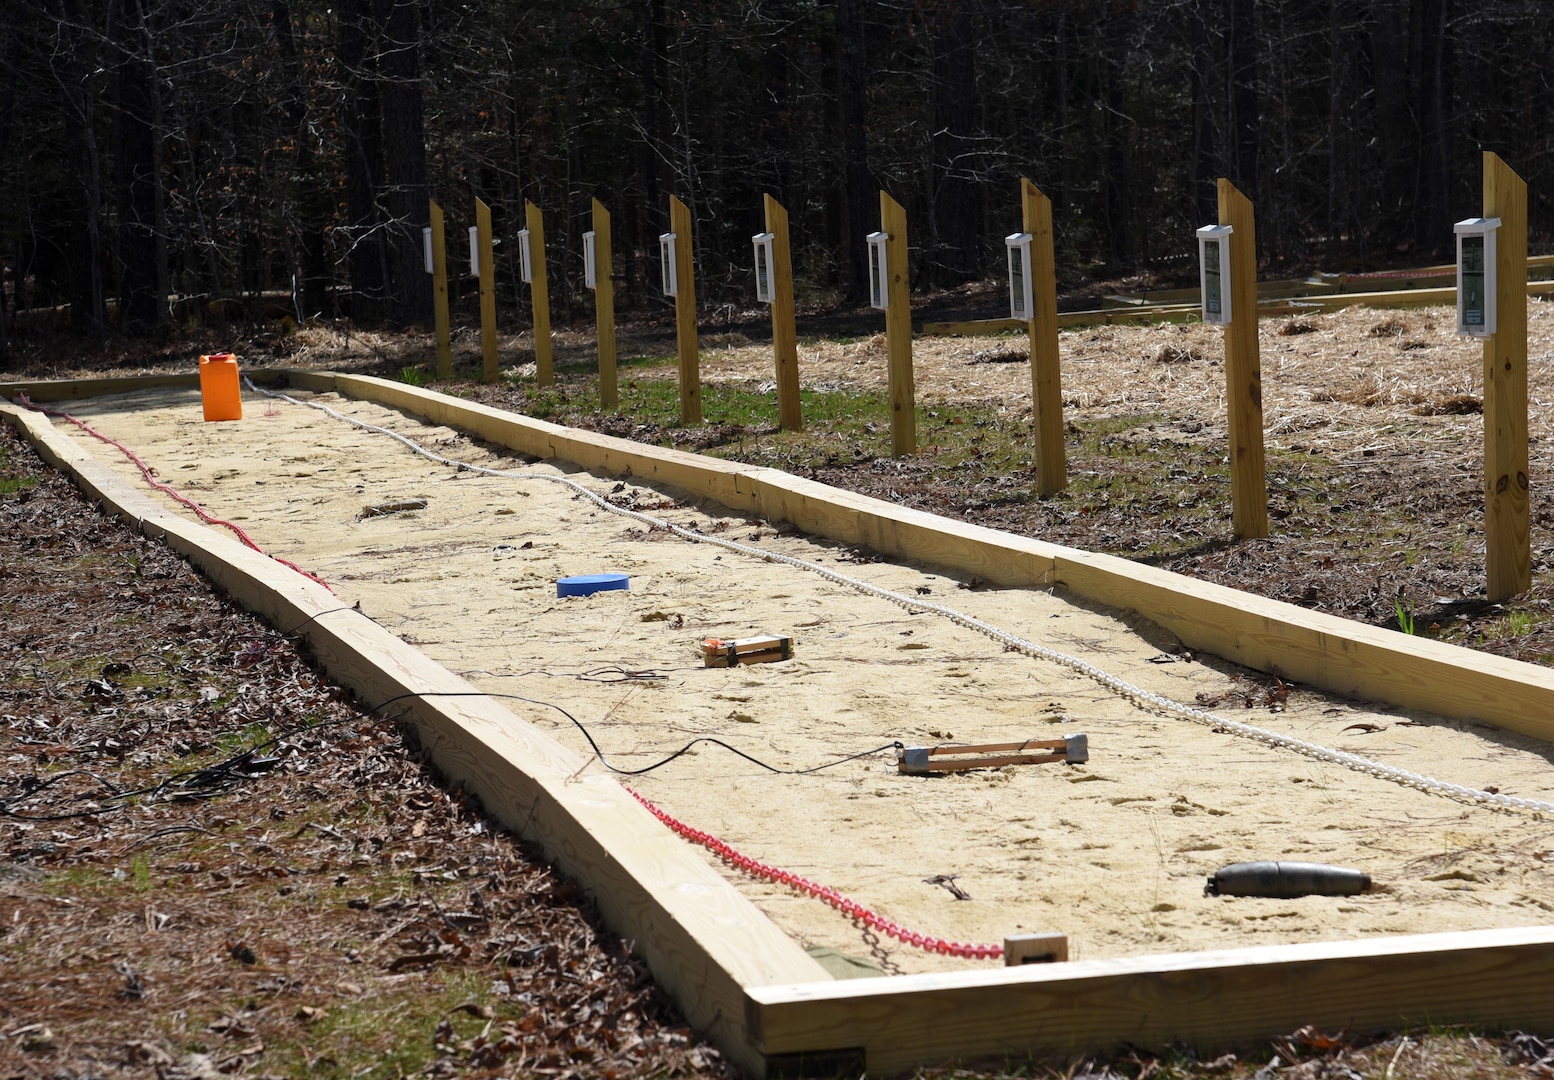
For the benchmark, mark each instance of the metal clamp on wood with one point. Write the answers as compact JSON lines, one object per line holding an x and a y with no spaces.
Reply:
{"x":716,"y":652}
{"x":923,"y":760}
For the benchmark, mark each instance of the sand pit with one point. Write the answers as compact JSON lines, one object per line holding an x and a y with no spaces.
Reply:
{"x":1114,"y":852}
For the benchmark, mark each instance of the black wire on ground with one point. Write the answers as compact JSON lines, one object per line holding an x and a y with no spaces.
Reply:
{"x":212,"y":781}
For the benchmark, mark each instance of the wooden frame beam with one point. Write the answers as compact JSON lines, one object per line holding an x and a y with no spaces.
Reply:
{"x":702,"y":939}
{"x":698,"y":943}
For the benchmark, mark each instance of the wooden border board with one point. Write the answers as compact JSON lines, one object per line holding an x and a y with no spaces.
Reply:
{"x":1211,"y":999}
{"x":702,"y":939}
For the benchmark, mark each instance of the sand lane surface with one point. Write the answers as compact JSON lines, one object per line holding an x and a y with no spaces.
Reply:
{"x":1114,"y":852}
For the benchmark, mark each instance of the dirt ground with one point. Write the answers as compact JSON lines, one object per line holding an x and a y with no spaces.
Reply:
{"x":1114,"y":852}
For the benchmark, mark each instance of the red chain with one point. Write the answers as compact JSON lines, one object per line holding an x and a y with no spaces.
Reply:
{"x":168,"y":489}
{"x":846,"y":905}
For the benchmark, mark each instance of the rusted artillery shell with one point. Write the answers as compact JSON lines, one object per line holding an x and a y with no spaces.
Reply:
{"x":1286,"y":880}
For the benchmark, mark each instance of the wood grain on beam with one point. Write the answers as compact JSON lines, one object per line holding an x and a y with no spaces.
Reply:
{"x":1211,"y":1000}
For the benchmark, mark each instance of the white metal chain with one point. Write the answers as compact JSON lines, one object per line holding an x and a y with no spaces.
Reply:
{"x":1144,"y":699}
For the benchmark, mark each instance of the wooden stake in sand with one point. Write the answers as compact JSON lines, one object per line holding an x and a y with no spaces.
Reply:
{"x":898,"y":329}
{"x":1243,"y":370}
{"x":490,"y":372}
{"x":539,"y":293}
{"x":1507,"y":550}
{"x":785,"y":348}
{"x":604,"y":308}
{"x":440,"y":294}
{"x":1046,"y":376}
{"x":685,"y":312}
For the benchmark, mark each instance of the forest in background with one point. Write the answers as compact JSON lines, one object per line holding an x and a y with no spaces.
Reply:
{"x":204,"y":149}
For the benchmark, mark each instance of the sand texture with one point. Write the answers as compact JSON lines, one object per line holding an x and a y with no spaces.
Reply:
{"x":1114,"y":852}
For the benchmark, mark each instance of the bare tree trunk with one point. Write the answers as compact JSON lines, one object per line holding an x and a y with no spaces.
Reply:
{"x":141,"y":308}
{"x":861,"y":190}
{"x":1205,"y":163}
{"x":310,"y":201}
{"x":405,"y":144}
{"x":957,"y":161}
{"x":88,"y":305}
{"x":363,"y":165}
{"x":1242,"y":48}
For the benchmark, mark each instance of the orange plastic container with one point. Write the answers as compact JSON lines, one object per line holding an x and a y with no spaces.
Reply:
{"x":220,"y":393}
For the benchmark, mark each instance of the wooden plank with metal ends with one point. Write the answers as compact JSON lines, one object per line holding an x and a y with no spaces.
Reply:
{"x":703,"y":941}
{"x":785,"y":344}
{"x":718,"y":652}
{"x":685,"y":312}
{"x":539,"y":294}
{"x":1213,"y":1001}
{"x":604,"y":307}
{"x":1507,"y":544}
{"x":1022,"y":949}
{"x":947,"y":758}
{"x":1046,"y":371}
{"x":898,"y":329}
{"x":440,"y":294}
{"x":489,"y":372}
{"x":1243,"y":371}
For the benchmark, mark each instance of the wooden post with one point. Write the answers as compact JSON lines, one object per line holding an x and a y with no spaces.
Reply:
{"x":539,"y":294}
{"x":1243,"y":370}
{"x":489,"y":372}
{"x":440,"y":294}
{"x":898,"y":329}
{"x":604,"y":308}
{"x":1046,"y":373}
{"x":785,"y":346}
{"x":1507,"y":549}
{"x":685,"y":312}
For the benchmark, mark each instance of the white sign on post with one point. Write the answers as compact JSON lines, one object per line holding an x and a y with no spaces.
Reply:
{"x":525,"y":266}
{"x":1476,"y":276}
{"x":426,"y":247}
{"x":1214,"y":272}
{"x":667,"y":267}
{"x":474,"y":251}
{"x":590,"y":267}
{"x":765,"y":289}
{"x":879,"y":276}
{"x":1021,"y":304}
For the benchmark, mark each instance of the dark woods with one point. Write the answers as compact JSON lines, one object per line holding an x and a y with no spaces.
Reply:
{"x":281,"y":152}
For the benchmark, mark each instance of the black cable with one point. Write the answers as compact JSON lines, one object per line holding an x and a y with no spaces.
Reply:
{"x":213,"y":780}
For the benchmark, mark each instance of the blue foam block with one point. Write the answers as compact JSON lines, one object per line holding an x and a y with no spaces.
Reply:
{"x":588,"y":584}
